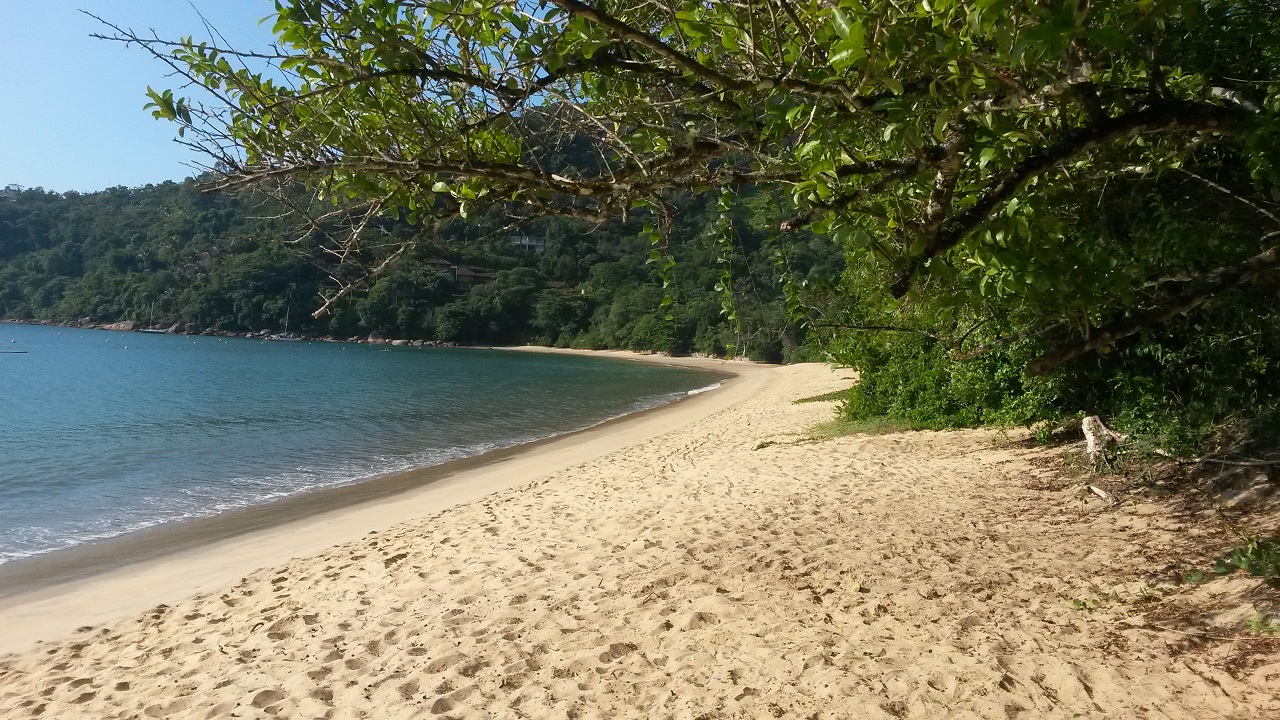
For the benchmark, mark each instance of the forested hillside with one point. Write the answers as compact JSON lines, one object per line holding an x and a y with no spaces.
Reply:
{"x":171,"y":254}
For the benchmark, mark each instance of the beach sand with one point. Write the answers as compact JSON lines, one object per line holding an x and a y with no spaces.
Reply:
{"x":718,"y":565}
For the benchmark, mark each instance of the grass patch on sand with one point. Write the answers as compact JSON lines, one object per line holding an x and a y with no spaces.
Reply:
{"x":834,"y":396}
{"x":841,"y":427}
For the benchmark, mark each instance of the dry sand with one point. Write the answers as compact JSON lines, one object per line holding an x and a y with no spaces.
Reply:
{"x":724,"y":568}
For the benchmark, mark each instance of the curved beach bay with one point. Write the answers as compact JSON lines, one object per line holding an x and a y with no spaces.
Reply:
{"x":108,"y":433}
{"x":703,"y":560}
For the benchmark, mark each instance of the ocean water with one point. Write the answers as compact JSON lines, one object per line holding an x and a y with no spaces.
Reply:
{"x":103,"y":433}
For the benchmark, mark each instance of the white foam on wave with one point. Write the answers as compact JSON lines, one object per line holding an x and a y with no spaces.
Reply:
{"x":709,"y":388}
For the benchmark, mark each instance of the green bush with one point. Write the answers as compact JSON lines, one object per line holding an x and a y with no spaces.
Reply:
{"x":914,"y":380}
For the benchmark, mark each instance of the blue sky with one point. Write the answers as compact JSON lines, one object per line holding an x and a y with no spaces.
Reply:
{"x":71,"y":114}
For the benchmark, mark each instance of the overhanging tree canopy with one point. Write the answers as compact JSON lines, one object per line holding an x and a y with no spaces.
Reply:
{"x":937,"y":137}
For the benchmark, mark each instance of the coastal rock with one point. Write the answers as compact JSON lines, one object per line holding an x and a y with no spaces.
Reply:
{"x":400,"y":343}
{"x":123,"y":325}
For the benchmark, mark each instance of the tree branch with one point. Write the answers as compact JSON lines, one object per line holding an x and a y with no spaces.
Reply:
{"x":1213,"y":284}
{"x":1172,"y":116}
{"x":1007,"y":339}
{"x":877,"y":328}
{"x":663,"y":50}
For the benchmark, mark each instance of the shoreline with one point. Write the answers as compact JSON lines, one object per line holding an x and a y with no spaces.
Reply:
{"x":50,"y":594}
{"x":134,"y":327}
{"x":729,"y":566}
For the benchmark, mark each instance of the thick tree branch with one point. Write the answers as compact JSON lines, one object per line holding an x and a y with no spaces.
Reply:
{"x":944,"y":184}
{"x":1165,"y":117}
{"x":1215,"y":283}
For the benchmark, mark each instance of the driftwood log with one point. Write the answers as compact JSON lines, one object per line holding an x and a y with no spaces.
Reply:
{"x":1099,"y":439}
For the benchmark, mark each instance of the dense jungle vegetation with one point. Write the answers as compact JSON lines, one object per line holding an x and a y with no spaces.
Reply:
{"x":171,"y":254}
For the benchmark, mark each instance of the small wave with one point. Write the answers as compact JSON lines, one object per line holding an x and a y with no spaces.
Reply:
{"x":234,"y":494}
{"x":237,"y":493}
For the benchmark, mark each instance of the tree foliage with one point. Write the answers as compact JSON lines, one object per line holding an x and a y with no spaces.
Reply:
{"x":1056,"y":182}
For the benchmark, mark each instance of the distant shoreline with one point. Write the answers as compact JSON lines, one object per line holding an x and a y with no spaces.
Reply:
{"x":293,"y":525}
{"x":131,"y":326}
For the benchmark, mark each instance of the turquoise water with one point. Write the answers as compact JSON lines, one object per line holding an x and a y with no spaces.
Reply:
{"x":103,"y":433}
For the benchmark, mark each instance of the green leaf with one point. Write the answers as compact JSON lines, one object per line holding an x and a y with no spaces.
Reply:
{"x":806,"y":150}
{"x":985,"y":157}
{"x":691,"y":26}
{"x":1110,"y":38}
{"x":843,"y":24}
{"x":849,"y":50}
{"x":940,"y":124}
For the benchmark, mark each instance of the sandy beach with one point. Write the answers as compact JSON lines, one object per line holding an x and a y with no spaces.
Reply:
{"x":705,"y":560}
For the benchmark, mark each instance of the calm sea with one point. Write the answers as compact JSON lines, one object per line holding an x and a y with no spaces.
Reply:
{"x":103,"y":433}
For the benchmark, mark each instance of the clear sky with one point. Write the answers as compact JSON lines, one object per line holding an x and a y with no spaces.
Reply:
{"x":71,"y":114}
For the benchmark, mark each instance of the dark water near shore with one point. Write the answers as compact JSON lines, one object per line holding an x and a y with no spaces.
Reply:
{"x":103,"y":433}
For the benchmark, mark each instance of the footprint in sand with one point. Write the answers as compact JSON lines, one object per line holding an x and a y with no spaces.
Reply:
{"x":616,"y":651}
{"x":267,"y":698}
{"x":444,"y":662}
